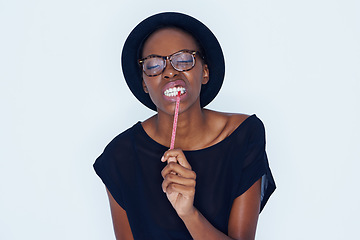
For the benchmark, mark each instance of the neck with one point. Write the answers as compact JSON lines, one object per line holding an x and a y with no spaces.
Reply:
{"x":190,"y":127}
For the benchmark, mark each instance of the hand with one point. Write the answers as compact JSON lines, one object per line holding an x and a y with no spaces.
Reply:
{"x":179,"y":182}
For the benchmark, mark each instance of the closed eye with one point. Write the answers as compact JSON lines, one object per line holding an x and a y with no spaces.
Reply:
{"x":154,"y":66}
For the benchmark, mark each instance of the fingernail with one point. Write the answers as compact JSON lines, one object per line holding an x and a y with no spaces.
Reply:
{"x":162,"y":159}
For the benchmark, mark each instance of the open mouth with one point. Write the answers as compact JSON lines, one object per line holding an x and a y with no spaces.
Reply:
{"x":173,"y":92}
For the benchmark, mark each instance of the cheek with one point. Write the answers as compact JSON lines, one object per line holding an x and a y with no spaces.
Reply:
{"x":195,"y":76}
{"x":146,"y":81}
{"x":151,"y":83}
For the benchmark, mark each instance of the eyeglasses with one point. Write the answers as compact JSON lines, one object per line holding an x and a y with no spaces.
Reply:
{"x":154,"y":65}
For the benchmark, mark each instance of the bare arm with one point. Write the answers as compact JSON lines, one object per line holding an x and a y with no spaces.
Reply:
{"x":120,"y":220}
{"x":245,"y":212}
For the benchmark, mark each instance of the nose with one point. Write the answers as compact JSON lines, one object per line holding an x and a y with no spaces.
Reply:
{"x":169,"y":71}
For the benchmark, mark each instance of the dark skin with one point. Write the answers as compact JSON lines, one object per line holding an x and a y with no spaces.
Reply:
{"x":198,"y":128}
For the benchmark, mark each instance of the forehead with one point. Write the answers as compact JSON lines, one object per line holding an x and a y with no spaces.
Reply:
{"x":167,"y":41}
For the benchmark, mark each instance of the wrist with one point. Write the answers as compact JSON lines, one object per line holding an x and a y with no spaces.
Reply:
{"x":191,"y":214}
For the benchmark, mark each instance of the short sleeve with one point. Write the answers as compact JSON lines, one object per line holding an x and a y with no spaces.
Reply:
{"x":255,"y":164}
{"x":106,"y":168}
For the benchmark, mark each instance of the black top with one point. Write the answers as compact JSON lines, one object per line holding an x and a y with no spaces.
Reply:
{"x":130,"y":167}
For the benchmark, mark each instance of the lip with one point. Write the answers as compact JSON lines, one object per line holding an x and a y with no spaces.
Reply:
{"x":176,"y":83}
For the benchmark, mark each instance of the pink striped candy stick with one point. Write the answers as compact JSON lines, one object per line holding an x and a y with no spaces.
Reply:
{"x":176,"y":114}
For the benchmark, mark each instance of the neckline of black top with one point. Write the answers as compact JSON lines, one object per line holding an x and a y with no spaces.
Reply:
{"x":155,"y":143}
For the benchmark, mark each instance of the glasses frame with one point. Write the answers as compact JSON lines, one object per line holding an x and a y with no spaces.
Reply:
{"x":169,"y":57}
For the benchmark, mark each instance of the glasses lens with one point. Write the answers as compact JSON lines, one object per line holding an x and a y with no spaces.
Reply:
{"x":182,"y":61}
{"x":153,"y":66}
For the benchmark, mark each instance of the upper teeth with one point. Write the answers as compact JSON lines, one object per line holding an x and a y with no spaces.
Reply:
{"x":172,"y":92}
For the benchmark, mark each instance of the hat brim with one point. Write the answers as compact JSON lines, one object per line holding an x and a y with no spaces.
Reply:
{"x":212,"y":50}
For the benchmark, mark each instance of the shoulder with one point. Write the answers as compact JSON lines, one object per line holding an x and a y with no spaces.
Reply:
{"x":116,"y":153}
{"x":235,"y":120}
{"x":121,"y":141}
{"x":242,"y":127}
{"x":229,"y":122}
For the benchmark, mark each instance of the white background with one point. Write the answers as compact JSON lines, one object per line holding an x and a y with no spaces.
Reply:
{"x":63,"y":98}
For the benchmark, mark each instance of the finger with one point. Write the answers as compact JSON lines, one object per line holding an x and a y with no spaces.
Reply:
{"x":178,"y":169}
{"x":170,"y":159}
{"x":185,"y":191}
{"x":171,"y":178}
{"x":178,"y":154}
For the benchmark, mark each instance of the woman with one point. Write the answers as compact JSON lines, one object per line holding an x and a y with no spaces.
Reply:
{"x":217,"y":179}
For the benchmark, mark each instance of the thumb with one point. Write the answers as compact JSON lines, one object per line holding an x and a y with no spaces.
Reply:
{"x":172,"y":159}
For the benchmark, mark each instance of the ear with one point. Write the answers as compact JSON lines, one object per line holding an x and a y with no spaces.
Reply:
{"x":145,"y":87}
{"x":205,"y":74}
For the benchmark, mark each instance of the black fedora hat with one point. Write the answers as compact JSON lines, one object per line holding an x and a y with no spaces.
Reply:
{"x":210,"y":46}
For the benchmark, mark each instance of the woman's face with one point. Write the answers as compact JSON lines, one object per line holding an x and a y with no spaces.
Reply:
{"x":165,"y":42}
